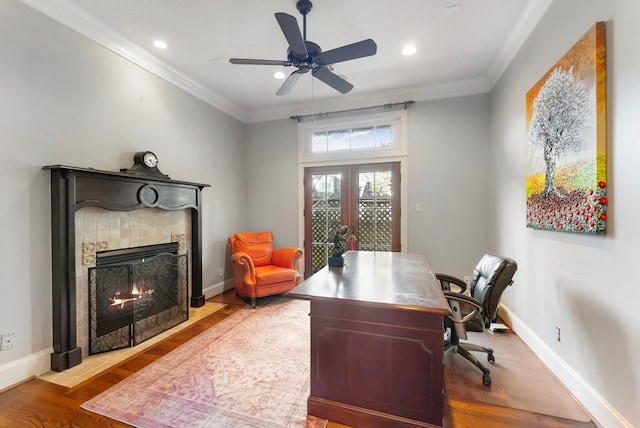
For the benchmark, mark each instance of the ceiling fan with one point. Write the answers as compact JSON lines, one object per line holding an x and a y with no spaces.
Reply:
{"x":308,"y":57}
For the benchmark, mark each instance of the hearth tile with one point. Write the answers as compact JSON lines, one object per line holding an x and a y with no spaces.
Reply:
{"x":95,"y":364}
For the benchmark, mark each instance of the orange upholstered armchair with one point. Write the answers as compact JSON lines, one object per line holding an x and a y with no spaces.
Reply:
{"x":260,"y":270}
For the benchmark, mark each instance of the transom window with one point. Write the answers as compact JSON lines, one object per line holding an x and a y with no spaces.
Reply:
{"x":352,"y":139}
{"x":371,"y":136}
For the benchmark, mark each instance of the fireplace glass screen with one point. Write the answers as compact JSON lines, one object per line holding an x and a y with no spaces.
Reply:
{"x":135,"y":296}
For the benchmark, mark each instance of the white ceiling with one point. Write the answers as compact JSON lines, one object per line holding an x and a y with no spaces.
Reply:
{"x":457,"y":53}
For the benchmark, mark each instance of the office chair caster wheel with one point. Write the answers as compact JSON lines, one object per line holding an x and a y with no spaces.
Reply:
{"x":486,"y":379}
{"x":491,"y":358}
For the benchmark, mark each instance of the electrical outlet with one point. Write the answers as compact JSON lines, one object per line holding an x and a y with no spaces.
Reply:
{"x":7,"y":341}
{"x":221,"y":272}
{"x":558,"y":333}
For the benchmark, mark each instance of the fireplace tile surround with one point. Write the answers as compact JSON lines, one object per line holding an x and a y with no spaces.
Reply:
{"x":98,"y":229}
{"x":94,"y":210}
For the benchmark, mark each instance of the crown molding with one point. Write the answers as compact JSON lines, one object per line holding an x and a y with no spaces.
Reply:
{"x":530,"y":17}
{"x":416,"y":93}
{"x":76,"y":18}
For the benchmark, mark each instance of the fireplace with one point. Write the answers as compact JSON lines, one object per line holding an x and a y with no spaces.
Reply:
{"x":136,"y":294}
{"x":82,"y":194}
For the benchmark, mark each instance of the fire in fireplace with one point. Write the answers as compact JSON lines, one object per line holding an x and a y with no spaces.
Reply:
{"x":135,"y":294}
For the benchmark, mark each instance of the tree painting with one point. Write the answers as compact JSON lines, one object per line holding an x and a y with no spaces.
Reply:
{"x":560,"y":113}
{"x":566,"y":138}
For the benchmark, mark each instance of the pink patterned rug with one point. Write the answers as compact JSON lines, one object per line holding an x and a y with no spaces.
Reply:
{"x":249,"y":370}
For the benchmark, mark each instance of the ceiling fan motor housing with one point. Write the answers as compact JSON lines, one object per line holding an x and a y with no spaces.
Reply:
{"x":304,"y":6}
{"x":312,"y":49}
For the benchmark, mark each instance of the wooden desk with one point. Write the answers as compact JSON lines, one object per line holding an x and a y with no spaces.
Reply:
{"x":376,"y":341}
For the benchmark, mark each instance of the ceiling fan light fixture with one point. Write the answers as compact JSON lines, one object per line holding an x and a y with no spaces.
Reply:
{"x":409,"y":50}
{"x":279,"y":75}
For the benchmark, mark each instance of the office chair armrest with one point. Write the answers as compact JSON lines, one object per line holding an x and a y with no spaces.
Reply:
{"x":447,"y":280}
{"x":463,"y":307}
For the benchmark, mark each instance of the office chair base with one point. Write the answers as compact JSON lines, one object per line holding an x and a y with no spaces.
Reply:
{"x":464,"y":351}
{"x":478,"y":348}
{"x":486,"y":379}
{"x":452,"y":344}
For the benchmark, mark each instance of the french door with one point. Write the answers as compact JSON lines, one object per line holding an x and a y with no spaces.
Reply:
{"x":365,"y":198}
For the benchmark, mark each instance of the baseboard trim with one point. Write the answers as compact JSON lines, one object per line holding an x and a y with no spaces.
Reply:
{"x":23,"y":369}
{"x":18,"y":371}
{"x":603,"y":413}
{"x":215,"y":289}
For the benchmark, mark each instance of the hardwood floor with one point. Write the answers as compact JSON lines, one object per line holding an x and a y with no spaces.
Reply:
{"x":37,"y":403}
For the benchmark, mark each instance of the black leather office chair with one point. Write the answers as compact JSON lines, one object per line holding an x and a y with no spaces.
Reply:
{"x":476,"y":310}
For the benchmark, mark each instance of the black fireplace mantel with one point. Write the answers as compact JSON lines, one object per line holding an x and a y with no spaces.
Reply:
{"x":75,"y":188}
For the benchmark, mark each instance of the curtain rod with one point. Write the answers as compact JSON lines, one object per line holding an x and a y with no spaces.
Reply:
{"x":390,"y":106}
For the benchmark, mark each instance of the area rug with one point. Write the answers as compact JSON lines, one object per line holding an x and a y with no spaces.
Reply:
{"x":249,"y":370}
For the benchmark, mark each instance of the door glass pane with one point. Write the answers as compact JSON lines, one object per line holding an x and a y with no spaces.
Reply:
{"x":374,"y":211}
{"x":326,"y":214}
{"x":362,"y":197}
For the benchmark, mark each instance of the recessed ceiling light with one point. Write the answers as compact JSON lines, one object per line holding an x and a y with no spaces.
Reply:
{"x":159,"y":44}
{"x":408,"y":50}
{"x":278,"y":75}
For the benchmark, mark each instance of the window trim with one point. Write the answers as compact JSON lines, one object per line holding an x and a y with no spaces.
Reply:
{"x":360,"y":156}
{"x":396,"y":119}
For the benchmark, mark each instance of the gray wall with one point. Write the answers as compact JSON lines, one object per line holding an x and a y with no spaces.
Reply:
{"x":66,"y":100}
{"x":448,"y":174}
{"x":586,"y":285}
{"x":271,"y":171}
{"x":449,"y":170}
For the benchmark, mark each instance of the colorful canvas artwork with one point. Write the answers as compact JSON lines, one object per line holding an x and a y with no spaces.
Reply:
{"x":567,"y":142}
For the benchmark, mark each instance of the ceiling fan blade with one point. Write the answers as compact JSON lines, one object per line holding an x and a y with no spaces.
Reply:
{"x":259,"y":62}
{"x":345,"y":53}
{"x":289,"y":26}
{"x":291,"y":82}
{"x":332,"y":79}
